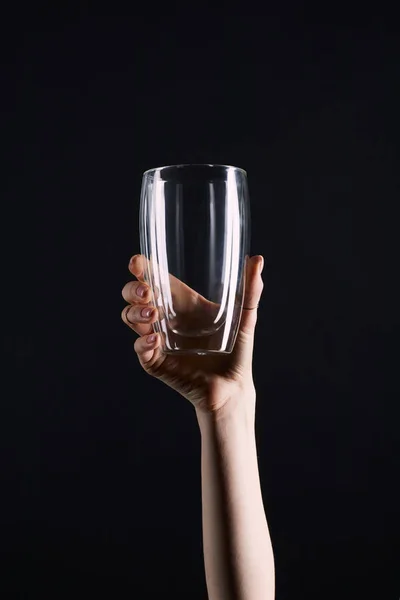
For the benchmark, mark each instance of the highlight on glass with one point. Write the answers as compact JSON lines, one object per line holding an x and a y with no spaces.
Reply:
{"x":195,"y":239}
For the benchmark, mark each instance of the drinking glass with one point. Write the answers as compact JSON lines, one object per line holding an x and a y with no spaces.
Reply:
{"x":195,"y":239}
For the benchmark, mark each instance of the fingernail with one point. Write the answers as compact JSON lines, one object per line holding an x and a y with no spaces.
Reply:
{"x":141,"y":291}
{"x":146,"y":312}
{"x":151,"y":338}
{"x":133,"y":259}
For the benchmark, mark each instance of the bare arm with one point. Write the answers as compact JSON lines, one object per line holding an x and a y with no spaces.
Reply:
{"x":239,"y":562}
{"x":238,"y":556}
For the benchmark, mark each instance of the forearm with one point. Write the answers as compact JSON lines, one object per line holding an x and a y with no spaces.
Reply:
{"x":238,"y":557}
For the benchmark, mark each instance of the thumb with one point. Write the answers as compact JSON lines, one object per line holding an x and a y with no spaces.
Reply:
{"x":243,"y":349}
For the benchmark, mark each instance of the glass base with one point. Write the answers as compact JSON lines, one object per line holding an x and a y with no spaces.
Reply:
{"x":194,"y":352}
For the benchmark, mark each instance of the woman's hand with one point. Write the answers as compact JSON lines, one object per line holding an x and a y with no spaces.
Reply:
{"x":208,"y":382}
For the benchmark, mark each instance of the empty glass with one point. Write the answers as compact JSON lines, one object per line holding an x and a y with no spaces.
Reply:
{"x":195,"y":237}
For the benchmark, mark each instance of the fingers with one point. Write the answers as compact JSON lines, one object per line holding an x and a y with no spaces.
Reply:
{"x":136,"y":291}
{"x":185,"y":299}
{"x":149,"y":353}
{"x":139,"y":315}
{"x":138,"y":318}
{"x":137,"y":265}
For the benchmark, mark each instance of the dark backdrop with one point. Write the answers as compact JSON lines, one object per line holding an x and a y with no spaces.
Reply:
{"x":100,"y":488}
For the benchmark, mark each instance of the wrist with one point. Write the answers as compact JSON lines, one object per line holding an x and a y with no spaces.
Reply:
{"x":237,"y":411}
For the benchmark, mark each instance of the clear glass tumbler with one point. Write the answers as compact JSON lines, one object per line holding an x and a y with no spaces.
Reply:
{"x":195,"y":238}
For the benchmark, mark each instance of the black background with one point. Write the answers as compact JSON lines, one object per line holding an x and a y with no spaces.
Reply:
{"x":100,"y":487}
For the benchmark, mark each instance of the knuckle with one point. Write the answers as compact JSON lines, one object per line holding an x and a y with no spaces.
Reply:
{"x":129,"y":291}
{"x":137,"y":347}
{"x":151,"y":367}
{"x":124,"y":314}
{"x":129,"y":316}
{"x":126,"y":291}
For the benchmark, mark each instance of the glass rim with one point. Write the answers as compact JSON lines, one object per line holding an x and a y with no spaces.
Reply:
{"x":155,"y":169}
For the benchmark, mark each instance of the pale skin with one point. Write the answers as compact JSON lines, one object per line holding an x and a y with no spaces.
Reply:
{"x":238,"y":555}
